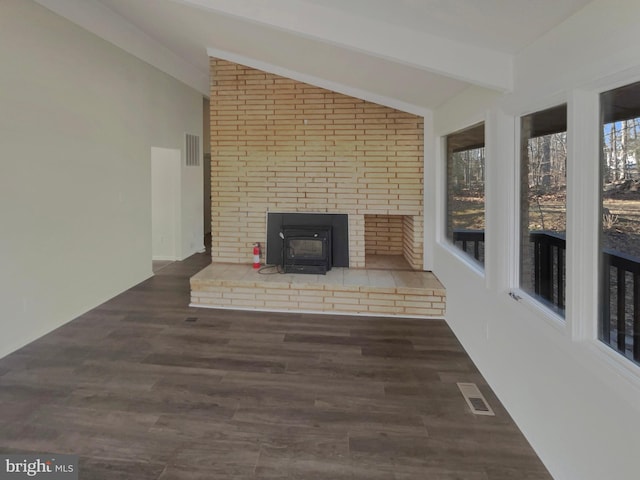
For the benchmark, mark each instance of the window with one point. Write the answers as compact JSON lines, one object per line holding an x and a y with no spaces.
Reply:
{"x":465,"y":191}
{"x":620,"y":221}
{"x":543,"y":208}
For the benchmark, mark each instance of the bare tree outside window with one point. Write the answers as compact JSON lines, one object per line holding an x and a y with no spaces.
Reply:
{"x":543,"y":207}
{"x":620,"y":221}
{"x":465,"y":191}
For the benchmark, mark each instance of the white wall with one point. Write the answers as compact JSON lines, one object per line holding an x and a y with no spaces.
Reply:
{"x":78,"y":117}
{"x":577,"y":402}
{"x":166,"y":203}
{"x":192,"y":203}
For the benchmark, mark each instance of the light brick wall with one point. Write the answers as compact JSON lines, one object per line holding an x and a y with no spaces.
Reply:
{"x":412,"y":238}
{"x":383,"y":234}
{"x":284,"y":146}
{"x":259,"y":292}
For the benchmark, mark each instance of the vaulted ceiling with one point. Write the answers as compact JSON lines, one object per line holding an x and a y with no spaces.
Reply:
{"x":411,"y":54}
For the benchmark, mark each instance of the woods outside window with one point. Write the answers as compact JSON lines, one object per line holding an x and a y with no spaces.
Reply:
{"x":543,"y":207}
{"x":620,"y":221}
{"x":465,"y":191}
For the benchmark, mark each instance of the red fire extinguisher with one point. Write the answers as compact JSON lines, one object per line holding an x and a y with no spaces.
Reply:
{"x":256,"y":255}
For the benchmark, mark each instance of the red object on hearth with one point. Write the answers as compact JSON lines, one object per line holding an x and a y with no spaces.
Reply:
{"x":256,"y":255}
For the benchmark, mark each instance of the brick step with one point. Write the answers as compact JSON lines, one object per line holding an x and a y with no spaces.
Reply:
{"x":341,"y":291}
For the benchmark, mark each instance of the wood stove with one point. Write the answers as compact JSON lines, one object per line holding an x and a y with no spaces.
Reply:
{"x":306,"y":249}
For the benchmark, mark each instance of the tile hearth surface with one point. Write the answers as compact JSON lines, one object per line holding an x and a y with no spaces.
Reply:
{"x":398,"y":293}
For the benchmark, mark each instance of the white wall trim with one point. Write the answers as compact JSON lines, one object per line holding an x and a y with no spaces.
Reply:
{"x":439,"y":186}
{"x":429,"y":199}
{"x":615,"y":364}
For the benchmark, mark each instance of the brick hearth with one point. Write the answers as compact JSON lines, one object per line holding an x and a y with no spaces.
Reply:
{"x":342,"y":290}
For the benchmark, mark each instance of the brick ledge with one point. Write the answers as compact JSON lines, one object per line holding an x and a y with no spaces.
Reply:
{"x":236,"y":287}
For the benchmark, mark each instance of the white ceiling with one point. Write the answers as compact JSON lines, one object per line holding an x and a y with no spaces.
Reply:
{"x":410,"y":54}
{"x":502,"y":25}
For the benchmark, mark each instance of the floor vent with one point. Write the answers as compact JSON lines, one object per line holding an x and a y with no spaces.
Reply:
{"x":191,"y":319}
{"x":474,"y":398}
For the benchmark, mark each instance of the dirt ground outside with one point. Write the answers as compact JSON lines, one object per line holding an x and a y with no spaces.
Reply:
{"x":621,"y":218}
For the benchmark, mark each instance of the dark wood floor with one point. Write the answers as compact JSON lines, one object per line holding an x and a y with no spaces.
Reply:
{"x":144,"y":387}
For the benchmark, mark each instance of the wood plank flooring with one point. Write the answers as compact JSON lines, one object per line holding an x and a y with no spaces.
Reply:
{"x":144,"y":387}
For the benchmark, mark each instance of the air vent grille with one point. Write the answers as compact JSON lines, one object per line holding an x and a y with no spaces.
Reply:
{"x":474,"y":398}
{"x":192,"y":145}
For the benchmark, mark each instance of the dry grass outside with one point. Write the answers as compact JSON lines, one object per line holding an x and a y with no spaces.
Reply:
{"x":467,"y":212}
{"x":621,"y":218}
{"x":623,"y":233}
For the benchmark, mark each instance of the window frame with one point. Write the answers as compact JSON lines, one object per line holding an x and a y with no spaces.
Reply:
{"x":539,"y":305}
{"x":443,"y":238}
{"x":581,"y":323}
{"x":630,"y":365}
{"x":531,"y":303}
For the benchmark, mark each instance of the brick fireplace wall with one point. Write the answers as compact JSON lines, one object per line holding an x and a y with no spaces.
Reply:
{"x":383,"y":234}
{"x":280,"y":145}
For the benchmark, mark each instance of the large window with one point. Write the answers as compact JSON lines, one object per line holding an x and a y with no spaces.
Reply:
{"x":620,"y":221}
{"x":465,"y":191}
{"x":543,"y":208}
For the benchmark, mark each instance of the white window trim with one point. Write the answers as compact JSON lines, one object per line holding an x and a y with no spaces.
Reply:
{"x":583,"y":222}
{"x":441,"y":217}
{"x":535,"y":306}
{"x":627,"y":369}
{"x":589,"y":325}
{"x":464,"y":257}
{"x":587,"y":321}
{"x":579,"y":328}
{"x":552,"y":318}
{"x":500,"y":236}
{"x":582,"y":314}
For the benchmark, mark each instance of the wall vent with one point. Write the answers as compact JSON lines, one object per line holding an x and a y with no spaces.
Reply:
{"x":474,"y":398}
{"x":192,"y":146}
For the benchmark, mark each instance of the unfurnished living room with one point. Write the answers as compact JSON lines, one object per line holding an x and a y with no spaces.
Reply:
{"x":319,"y":239}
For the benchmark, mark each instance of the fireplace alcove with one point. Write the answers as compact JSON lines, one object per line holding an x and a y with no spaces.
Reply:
{"x":390,"y":241}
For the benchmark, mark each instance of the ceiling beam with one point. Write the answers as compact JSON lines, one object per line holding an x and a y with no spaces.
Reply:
{"x":461,"y":61}
{"x":318,"y":82}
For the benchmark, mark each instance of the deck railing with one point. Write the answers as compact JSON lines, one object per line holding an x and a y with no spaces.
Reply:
{"x":471,"y":239}
{"x":620,"y":328}
{"x":549,"y":266}
{"x":622,"y":276}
